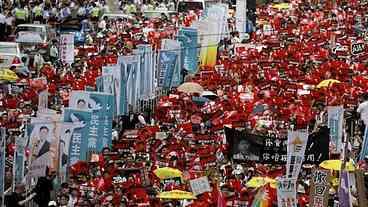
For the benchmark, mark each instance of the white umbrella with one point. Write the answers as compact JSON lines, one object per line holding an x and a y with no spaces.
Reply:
{"x":190,"y":87}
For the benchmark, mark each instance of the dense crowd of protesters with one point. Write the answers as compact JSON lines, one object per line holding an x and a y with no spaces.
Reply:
{"x":92,"y":184}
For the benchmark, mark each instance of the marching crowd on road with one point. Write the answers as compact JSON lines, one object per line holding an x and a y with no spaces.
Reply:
{"x":294,"y":68}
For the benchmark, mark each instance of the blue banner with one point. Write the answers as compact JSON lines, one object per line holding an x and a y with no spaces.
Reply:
{"x":102,"y":107}
{"x":166,"y":67}
{"x":175,"y":46}
{"x":147,"y":71}
{"x":19,"y":158}
{"x":104,"y":117}
{"x":189,"y":40}
{"x":81,"y":133}
{"x":335,"y":124}
{"x":130,"y":85}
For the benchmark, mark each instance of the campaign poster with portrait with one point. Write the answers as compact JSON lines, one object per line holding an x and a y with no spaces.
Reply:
{"x":102,"y":107}
{"x":44,"y":144}
{"x":175,"y":46}
{"x":244,"y":146}
{"x":66,"y":133}
{"x":78,"y":147}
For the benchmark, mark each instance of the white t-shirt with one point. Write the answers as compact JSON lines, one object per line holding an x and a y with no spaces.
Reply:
{"x":2,"y":19}
{"x":363,"y":110}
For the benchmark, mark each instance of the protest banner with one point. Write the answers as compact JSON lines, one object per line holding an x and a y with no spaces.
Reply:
{"x":320,"y":186}
{"x":166,"y":66}
{"x":286,"y":192}
{"x":200,"y":185}
{"x":335,"y":124}
{"x":273,"y":150}
{"x":102,"y":106}
{"x":344,"y":190}
{"x":80,"y":119}
{"x":297,"y":142}
{"x":175,"y":46}
{"x":19,"y":159}
{"x":147,"y":77}
{"x":44,"y":143}
{"x":67,"y":48}
{"x":189,"y":39}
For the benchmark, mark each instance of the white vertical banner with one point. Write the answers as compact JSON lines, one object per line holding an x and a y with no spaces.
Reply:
{"x":43,"y":100}
{"x":67,"y":48}
{"x":297,"y":142}
{"x":335,"y":124}
{"x":286,"y":192}
{"x":241,"y":17}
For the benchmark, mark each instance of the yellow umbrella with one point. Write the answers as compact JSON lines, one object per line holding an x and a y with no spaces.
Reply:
{"x":335,"y":182}
{"x":327,"y":83}
{"x":167,"y":172}
{"x":281,"y":6}
{"x":176,"y":194}
{"x":336,"y":165}
{"x":256,"y":182}
{"x":8,"y":75}
{"x":190,"y":87}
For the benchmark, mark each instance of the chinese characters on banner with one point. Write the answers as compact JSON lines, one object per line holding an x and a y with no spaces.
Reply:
{"x":200,"y":185}
{"x":344,"y":190}
{"x":335,"y":124}
{"x":102,"y":107}
{"x":320,"y":188}
{"x":272,"y":150}
{"x":79,"y":133}
{"x":67,"y":48}
{"x":286,"y":192}
{"x":297,"y":142}
{"x":189,"y":39}
{"x":167,"y":63}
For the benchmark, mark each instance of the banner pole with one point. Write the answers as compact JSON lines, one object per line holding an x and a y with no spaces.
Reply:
{"x":3,"y":165}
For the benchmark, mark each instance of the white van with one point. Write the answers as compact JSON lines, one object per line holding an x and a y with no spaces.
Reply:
{"x":190,"y":5}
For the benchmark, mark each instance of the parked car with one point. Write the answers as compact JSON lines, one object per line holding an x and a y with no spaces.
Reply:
{"x":10,"y":55}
